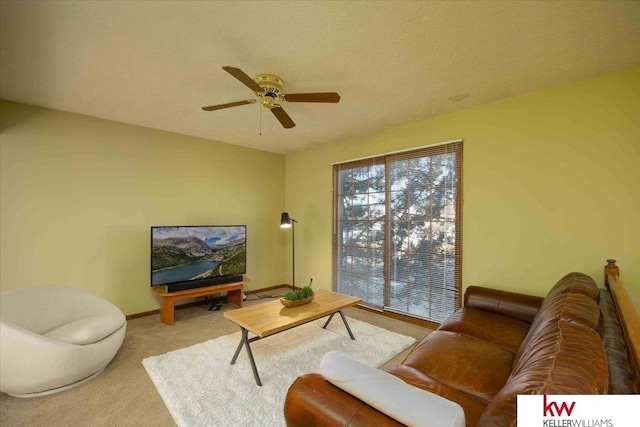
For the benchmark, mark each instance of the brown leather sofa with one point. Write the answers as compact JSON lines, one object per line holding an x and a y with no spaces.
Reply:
{"x":498,"y":345}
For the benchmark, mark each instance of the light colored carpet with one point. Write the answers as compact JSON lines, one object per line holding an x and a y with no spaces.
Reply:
{"x":201,"y":388}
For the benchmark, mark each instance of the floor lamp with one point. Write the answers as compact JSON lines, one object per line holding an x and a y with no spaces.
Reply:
{"x":287,"y":222}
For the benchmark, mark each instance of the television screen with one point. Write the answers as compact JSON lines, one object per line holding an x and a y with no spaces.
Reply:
{"x":180,"y":254}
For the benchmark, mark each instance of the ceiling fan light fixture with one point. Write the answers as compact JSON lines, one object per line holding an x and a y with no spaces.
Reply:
{"x":267,"y":101}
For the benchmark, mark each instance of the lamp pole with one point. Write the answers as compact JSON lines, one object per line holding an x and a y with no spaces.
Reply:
{"x":293,"y":248}
{"x":287,"y":222}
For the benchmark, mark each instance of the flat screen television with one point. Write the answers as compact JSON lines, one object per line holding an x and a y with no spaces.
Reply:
{"x":187,"y":257}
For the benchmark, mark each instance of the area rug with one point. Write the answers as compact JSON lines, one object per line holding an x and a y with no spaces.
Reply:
{"x":201,"y":388}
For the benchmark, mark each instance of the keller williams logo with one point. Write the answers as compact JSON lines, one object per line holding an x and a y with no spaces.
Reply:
{"x":548,"y":408}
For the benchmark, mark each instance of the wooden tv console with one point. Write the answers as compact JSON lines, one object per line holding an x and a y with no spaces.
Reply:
{"x":168,"y":299}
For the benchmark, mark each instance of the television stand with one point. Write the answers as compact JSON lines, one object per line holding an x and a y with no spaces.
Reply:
{"x":168,"y":299}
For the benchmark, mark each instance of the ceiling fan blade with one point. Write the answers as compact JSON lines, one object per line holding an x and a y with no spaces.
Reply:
{"x":282,"y":117}
{"x":312,"y":97}
{"x":229,"y":105}
{"x":244,"y":78}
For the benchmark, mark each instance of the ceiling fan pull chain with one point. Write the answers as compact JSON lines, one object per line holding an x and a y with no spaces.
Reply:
{"x":260,"y":109}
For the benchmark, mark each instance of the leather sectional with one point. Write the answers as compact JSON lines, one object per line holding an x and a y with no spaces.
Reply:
{"x":498,"y":345}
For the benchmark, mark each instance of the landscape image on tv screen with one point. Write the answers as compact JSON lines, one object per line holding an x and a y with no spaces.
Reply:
{"x":179,"y":254}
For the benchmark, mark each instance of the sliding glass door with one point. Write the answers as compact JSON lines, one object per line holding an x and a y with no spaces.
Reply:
{"x":397,"y":231}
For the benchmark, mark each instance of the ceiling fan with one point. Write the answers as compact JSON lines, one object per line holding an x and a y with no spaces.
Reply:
{"x":268,"y":89}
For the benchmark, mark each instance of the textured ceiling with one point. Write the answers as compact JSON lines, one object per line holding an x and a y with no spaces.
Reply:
{"x":155,"y":64}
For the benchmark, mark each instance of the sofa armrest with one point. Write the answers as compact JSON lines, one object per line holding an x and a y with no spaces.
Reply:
{"x":312,"y":401}
{"x":387,"y":393}
{"x":517,"y":306}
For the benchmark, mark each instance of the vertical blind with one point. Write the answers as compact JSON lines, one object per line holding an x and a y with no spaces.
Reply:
{"x":397,"y":231}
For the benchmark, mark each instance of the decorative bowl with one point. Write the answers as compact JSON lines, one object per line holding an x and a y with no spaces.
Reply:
{"x":297,"y":303}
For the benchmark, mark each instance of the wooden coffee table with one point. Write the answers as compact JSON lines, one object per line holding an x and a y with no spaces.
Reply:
{"x":272,"y":317}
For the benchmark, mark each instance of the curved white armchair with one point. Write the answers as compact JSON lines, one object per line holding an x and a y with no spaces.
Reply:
{"x":54,"y":338}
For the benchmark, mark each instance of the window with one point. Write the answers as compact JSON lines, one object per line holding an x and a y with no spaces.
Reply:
{"x":397,"y":231}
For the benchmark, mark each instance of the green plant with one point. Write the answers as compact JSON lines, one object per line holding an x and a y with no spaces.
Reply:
{"x":299,"y":294}
{"x":307,"y":291}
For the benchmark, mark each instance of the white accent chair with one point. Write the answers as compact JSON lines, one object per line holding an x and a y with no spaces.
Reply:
{"x":55,"y":338}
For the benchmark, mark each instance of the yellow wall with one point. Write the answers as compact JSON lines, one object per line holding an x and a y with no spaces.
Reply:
{"x":78,"y":196}
{"x":551,"y":185}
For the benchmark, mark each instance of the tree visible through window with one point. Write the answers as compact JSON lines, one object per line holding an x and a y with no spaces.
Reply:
{"x":397,"y":231}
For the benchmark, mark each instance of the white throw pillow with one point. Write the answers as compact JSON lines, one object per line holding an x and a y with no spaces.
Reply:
{"x":87,"y":331}
{"x":389,"y":394}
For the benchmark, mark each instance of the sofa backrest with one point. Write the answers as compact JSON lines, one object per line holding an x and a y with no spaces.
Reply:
{"x":574,"y":283}
{"x":572,"y":299}
{"x":569,"y":307}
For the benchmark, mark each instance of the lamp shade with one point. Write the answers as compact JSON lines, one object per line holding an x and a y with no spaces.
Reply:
{"x":285,"y":221}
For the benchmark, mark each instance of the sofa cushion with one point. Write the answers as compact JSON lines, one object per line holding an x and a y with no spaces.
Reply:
{"x":389,"y":394}
{"x":473,"y":406}
{"x":567,"y":358}
{"x":453,"y":359}
{"x":88,"y":330}
{"x":502,"y":331}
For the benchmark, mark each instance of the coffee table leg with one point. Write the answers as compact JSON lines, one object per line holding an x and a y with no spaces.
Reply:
{"x":245,"y":341}
{"x":235,"y":356}
{"x":328,"y":320}
{"x":344,"y":319}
